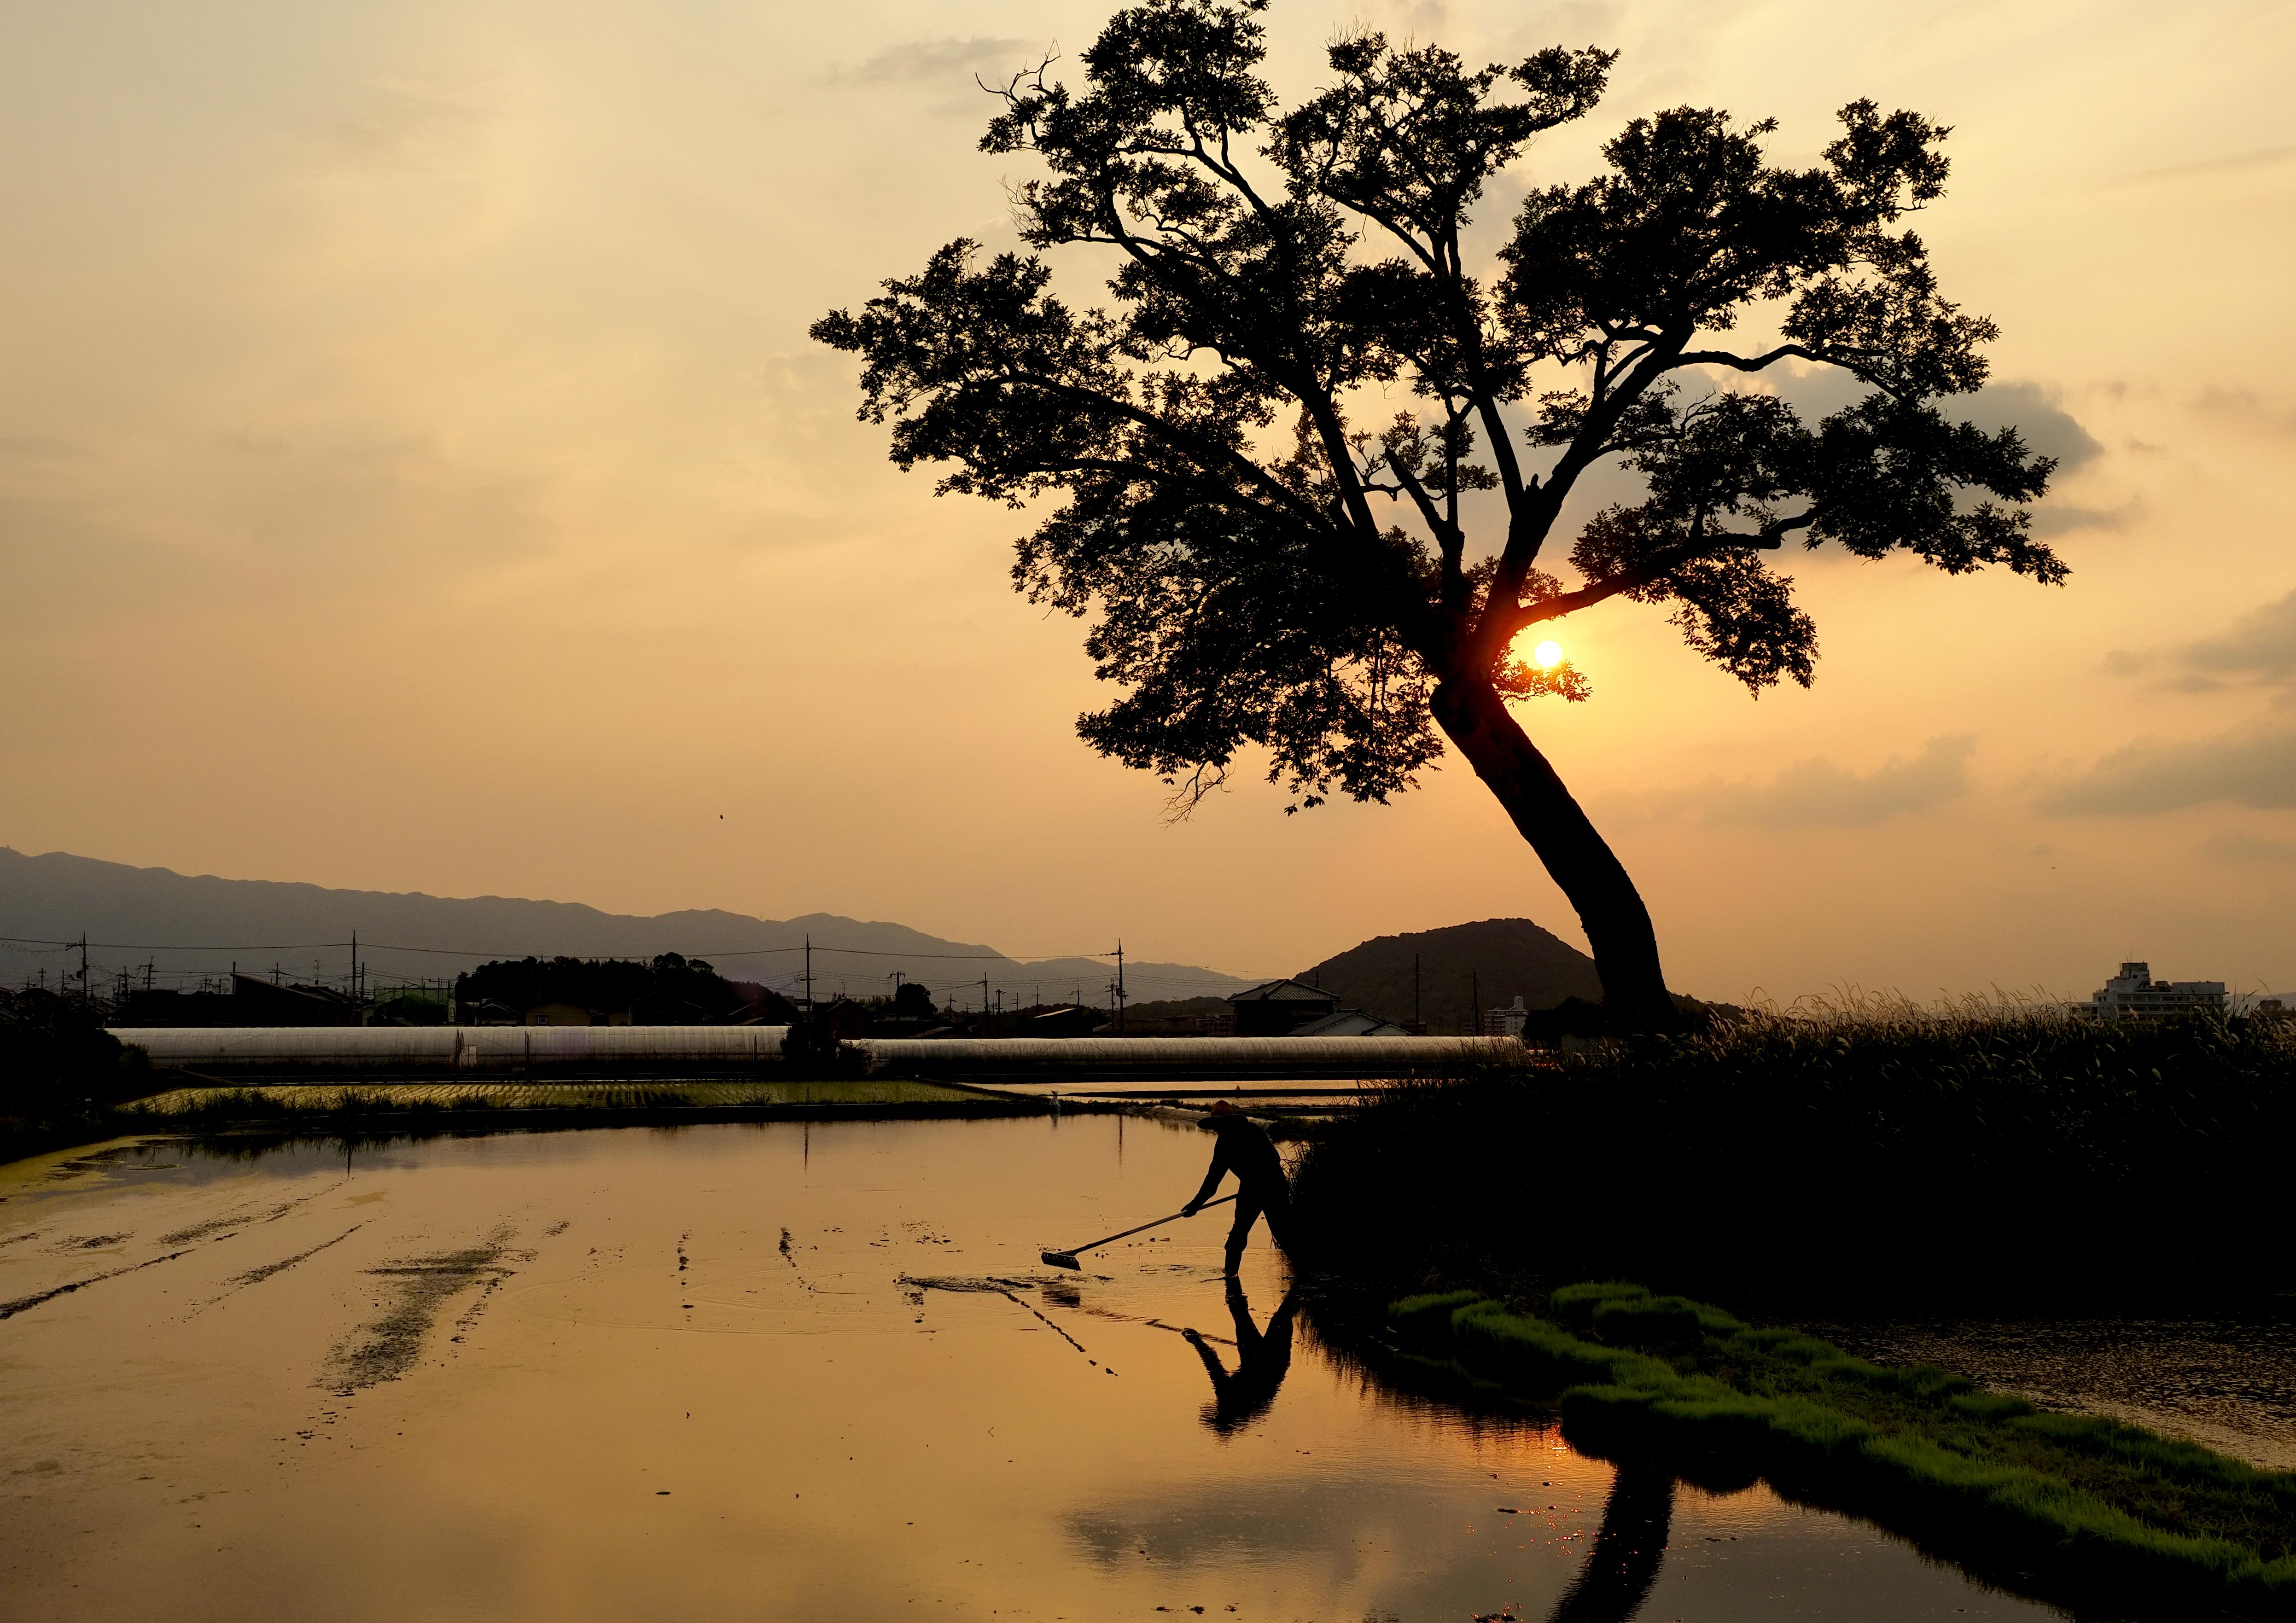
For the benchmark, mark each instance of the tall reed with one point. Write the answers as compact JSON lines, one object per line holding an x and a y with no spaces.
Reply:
{"x":1862,"y":1148}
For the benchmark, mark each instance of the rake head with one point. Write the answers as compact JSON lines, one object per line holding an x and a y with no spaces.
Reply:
{"x":1062,"y":1259}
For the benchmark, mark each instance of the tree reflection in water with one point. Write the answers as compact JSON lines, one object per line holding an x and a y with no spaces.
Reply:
{"x":1637,"y":1517}
{"x":1628,"y":1547}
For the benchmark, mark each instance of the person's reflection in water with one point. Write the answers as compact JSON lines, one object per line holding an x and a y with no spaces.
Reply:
{"x":1262,"y":1359}
{"x":1628,"y":1547}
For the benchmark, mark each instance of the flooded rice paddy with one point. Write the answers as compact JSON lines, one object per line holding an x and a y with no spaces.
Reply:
{"x":781,"y":1370}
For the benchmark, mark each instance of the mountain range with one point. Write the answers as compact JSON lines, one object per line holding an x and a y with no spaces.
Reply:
{"x":184,"y":927}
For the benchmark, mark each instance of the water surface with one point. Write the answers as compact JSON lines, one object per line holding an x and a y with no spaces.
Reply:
{"x":779,"y":1371}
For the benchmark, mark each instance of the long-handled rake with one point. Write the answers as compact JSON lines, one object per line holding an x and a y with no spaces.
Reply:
{"x":1067,"y":1259}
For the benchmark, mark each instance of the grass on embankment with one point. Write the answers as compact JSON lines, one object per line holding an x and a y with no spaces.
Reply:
{"x":2072,"y":1507}
{"x":1873,"y":1155}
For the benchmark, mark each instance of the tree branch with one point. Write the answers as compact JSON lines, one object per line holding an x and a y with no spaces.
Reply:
{"x":1769,"y":538}
{"x":1750,"y":363}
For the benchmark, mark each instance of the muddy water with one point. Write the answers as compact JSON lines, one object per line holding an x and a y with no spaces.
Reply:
{"x":777,"y":1372}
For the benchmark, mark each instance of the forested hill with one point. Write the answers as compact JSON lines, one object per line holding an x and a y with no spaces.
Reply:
{"x":187,"y":926}
{"x":1505,"y":958}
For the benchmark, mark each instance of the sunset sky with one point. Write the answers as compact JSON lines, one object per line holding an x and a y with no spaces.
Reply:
{"x":415,"y":475}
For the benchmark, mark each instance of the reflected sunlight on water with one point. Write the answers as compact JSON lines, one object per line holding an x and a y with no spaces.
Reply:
{"x":779,"y":1371}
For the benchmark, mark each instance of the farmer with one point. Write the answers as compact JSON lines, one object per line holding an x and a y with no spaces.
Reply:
{"x":1245,"y":1151}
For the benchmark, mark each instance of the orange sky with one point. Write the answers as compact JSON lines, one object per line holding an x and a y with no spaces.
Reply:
{"x":414,"y":475}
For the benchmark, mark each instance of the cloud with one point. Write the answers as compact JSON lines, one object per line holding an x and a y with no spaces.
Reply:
{"x":2255,"y":768}
{"x":1818,"y":792}
{"x":2261,"y":644}
{"x":2233,"y":163}
{"x":2241,"y":846}
{"x":2244,"y":408}
{"x":2048,"y":427}
{"x":2259,"y":647}
{"x":2056,"y":519}
{"x":931,"y":59}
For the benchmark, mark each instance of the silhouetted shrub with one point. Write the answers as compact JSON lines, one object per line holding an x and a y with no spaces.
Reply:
{"x":1867,"y":1153}
{"x":61,"y":1072}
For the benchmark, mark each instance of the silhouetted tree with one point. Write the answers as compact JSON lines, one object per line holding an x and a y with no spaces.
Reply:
{"x":672,"y":991}
{"x":1277,"y":557}
{"x":59,"y":1071}
{"x":913,"y":1001}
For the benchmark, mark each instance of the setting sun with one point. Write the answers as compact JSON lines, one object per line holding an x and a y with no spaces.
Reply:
{"x":1547,"y":655}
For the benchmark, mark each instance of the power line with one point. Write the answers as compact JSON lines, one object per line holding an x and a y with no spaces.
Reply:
{"x":483,"y":952}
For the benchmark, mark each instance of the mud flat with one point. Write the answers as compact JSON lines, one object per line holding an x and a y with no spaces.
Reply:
{"x":2228,"y":1383}
{"x":778,"y":1370}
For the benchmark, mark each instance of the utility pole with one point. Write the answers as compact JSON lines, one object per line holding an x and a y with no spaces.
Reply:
{"x":83,"y":966}
{"x":355,"y":966}
{"x":1119,"y":986}
{"x":1475,"y":1009}
{"x":809,"y":974}
{"x":1416,"y":1019}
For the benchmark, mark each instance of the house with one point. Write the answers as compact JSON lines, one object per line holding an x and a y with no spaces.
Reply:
{"x":761,"y":1005}
{"x":411,"y":1006}
{"x":2134,"y":994}
{"x":258,"y":1002}
{"x":1222,"y":1024}
{"x":1279,"y":1008}
{"x":161,"y":1007}
{"x":1069,"y":1020}
{"x":562,"y":1014}
{"x":842,"y":1019}
{"x":1351,"y":1022}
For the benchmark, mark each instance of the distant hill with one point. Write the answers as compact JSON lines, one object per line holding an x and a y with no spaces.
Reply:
{"x":186,"y":927}
{"x":1505,"y":957}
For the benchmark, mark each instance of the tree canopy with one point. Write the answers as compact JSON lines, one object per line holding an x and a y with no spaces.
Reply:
{"x":1270,"y":553}
{"x":672,"y":990}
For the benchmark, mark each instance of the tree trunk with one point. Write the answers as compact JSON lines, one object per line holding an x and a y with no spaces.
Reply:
{"x":1578,"y":859}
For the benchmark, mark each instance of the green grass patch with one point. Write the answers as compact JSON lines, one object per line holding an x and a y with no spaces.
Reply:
{"x":2069,"y":1506}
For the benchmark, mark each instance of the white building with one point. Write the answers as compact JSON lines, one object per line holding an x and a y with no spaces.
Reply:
{"x":1505,"y":1022}
{"x":2134,"y":994}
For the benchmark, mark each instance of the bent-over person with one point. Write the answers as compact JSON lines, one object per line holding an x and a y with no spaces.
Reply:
{"x":1263,"y":1190}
